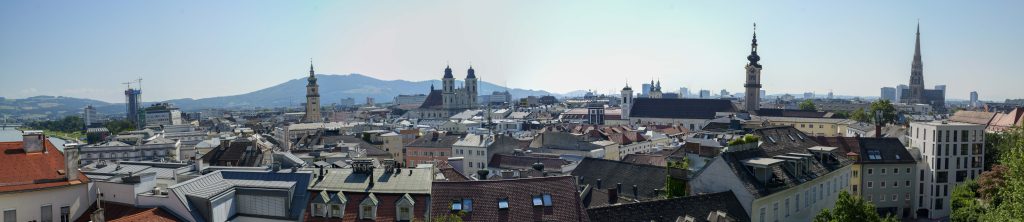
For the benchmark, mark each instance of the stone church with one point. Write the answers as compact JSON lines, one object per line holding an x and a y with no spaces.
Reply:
{"x":450,"y":99}
{"x":917,"y":94}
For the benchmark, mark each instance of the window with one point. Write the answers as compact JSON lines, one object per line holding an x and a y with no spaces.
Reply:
{"x":797,"y":204}
{"x":762,"y":218}
{"x":787,"y":207}
{"x":821,"y":195}
{"x":895,"y":197}
{"x":867,"y":197}
{"x":895,"y":184}
{"x":10,"y":215}
{"x":908,"y":169}
{"x":319,"y":210}
{"x":367,"y":212}
{"x":906,"y":196}
{"x":907,"y":183}
{"x":870,"y":184}
{"x":854,"y":173}
{"x":65,"y":214}
{"x":547,"y":200}
{"x":336,"y":210}
{"x":503,"y":203}
{"x":807,"y":198}
{"x":404,"y":213}
{"x":883,"y":170}
{"x":456,"y":205}
{"x":537,"y":201}
{"x":938,"y":204}
{"x":46,"y":213}
{"x":775,"y":211}
{"x":814,"y":192}
{"x":467,"y":205}
{"x":871,"y":171}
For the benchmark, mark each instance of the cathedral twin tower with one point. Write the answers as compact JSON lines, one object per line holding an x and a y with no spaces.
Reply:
{"x":462,"y":97}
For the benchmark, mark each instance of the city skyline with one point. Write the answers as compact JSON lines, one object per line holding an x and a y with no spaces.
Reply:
{"x":219,"y":49}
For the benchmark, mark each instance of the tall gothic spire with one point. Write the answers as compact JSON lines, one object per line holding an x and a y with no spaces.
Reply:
{"x":917,"y":46}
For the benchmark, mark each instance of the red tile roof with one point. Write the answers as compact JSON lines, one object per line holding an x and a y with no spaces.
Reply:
{"x":117,"y":212}
{"x":21,"y":171}
{"x":566,"y":204}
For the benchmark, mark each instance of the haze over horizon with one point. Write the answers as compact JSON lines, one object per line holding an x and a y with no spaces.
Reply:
{"x":198,"y":49}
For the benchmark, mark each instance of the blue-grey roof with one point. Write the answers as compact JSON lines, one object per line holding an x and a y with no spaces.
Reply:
{"x":288,"y":159}
{"x":217,"y":183}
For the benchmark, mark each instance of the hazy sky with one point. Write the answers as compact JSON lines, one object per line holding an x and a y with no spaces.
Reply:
{"x":202,"y":49}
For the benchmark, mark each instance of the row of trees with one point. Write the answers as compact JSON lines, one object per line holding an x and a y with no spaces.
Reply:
{"x":67,"y":124}
{"x":998,"y":194}
{"x":886,"y":108}
{"x":75,"y":124}
{"x":888,"y":111}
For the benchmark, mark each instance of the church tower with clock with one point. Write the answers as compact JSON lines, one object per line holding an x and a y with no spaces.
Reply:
{"x":312,"y":98}
{"x":753,"y":83}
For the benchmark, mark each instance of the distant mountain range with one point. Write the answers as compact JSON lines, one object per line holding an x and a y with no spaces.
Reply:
{"x":292,"y":93}
{"x":43,"y":106}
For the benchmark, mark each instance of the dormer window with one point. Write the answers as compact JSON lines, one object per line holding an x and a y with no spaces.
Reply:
{"x":537,"y":201}
{"x":368,"y":208}
{"x":761,"y":168}
{"x":547,"y":199}
{"x":503,"y":204}
{"x":405,"y":206}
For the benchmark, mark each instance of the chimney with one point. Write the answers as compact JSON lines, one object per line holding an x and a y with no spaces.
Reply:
{"x":878,"y":130}
{"x":613,"y":196}
{"x":371,"y":179}
{"x":618,"y":187}
{"x":598,"y":183}
{"x":33,"y":141}
{"x":636,"y":192}
{"x":878,"y":123}
{"x":481,"y":174}
{"x":71,"y":159}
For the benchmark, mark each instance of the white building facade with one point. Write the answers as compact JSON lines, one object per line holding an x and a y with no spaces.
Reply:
{"x":951,"y":153}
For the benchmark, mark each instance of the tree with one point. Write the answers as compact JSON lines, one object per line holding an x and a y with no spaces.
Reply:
{"x":676,"y":187}
{"x":964,"y":202}
{"x":118,"y":126}
{"x":808,"y":105}
{"x":851,"y":208}
{"x":888,"y":111}
{"x":860,"y":115}
{"x":455,"y":217}
{"x":990,"y":182}
{"x":68,"y":124}
{"x":1004,"y":193}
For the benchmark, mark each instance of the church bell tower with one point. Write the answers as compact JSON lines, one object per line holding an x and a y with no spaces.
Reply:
{"x":753,"y":83}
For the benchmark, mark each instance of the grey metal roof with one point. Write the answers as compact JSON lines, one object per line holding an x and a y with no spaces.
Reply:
{"x":415,"y":181}
{"x":288,"y":159}
{"x":218,"y":182}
